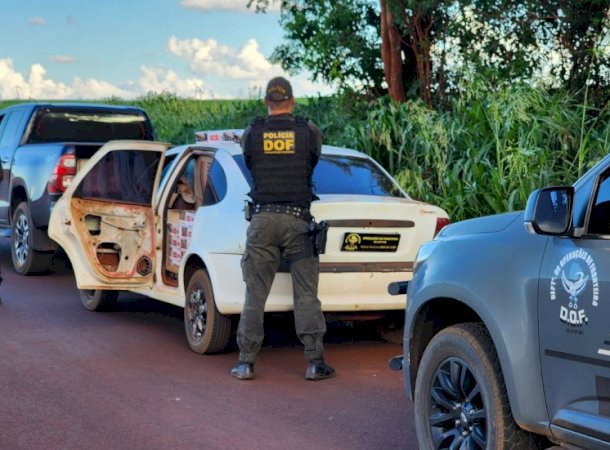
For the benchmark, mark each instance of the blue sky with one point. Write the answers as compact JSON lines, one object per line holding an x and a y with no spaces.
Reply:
{"x":89,"y":49}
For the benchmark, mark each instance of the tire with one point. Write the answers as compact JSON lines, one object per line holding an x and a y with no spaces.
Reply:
{"x":26,"y":260}
{"x":207,"y":331}
{"x":98,"y":300}
{"x":460,"y":396}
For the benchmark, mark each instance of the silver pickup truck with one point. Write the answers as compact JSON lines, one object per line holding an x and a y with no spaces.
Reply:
{"x":507,"y":331}
{"x":42,"y":145}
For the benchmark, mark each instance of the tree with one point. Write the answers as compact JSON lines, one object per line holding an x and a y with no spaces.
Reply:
{"x":582,"y":28}
{"x":429,"y":47}
{"x":391,"y":52}
{"x":417,"y":22}
{"x":358,"y":44}
{"x":336,"y":40}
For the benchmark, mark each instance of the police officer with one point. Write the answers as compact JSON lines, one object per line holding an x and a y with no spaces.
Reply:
{"x":281,"y":152}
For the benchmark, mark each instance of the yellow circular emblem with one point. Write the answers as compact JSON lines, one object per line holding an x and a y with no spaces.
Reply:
{"x":352,"y":241}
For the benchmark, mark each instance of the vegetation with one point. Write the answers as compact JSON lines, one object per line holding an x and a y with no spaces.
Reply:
{"x":408,"y":76}
{"x":483,"y":154}
{"x":430,"y":47}
{"x":176,"y":119}
{"x":489,"y":150}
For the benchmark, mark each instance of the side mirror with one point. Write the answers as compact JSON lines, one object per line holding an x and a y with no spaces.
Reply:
{"x":549,"y":211}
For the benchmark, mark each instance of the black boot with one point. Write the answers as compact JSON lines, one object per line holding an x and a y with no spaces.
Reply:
{"x":319,"y":370}
{"x":243,"y":371}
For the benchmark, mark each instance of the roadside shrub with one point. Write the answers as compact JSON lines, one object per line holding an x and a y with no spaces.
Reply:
{"x":487,"y":152}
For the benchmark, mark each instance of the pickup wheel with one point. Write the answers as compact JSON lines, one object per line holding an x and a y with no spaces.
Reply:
{"x":460,"y":395}
{"x":25,"y":259}
{"x":98,"y":300}
{"x":207,"y":331}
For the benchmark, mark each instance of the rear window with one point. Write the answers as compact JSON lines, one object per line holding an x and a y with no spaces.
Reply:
{"x":59,"y":125}
{"x":337,"y":174}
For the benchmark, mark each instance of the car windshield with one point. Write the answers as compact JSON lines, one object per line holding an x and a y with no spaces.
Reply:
{"x":339,"y":174}
{"x":87,"y":125}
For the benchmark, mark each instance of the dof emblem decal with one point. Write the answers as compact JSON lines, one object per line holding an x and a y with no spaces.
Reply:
{"x":574,"y":282}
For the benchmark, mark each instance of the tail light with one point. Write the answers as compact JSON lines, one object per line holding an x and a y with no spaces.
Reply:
{"x":441,"y":222}
{"x":63,"y":174}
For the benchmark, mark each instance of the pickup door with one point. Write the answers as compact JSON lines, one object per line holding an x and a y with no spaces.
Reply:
{"x":105,"y":221}
{"x":11,"y":132}
{"x":574,"y":309}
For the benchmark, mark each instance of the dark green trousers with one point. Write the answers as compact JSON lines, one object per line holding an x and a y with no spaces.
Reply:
{"x":271,"y":235}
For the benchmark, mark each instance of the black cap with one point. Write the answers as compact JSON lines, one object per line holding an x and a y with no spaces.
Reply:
{"x":278,"y":89}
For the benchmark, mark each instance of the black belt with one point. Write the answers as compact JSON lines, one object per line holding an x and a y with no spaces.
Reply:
{"x":297,"y":211}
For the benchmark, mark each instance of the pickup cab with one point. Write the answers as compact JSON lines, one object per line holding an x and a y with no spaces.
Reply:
{"x":507,"y":338}
{"x":42,"y":146}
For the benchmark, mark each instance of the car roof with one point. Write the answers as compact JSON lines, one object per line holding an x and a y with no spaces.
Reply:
{"x":230,"y":140}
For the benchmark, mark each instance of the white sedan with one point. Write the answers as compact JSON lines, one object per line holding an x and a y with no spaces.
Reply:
{"x":125,"y":226}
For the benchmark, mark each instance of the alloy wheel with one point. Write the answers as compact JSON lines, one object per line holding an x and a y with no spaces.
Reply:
{"x":197,"y":313}
{"x":458,"y":417}
{"x":21,"y":242}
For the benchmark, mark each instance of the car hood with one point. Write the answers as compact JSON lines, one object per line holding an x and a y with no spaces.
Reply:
{"x":486,"y":224}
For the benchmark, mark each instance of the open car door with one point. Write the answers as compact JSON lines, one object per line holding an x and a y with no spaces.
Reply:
{"x":105,"y":220}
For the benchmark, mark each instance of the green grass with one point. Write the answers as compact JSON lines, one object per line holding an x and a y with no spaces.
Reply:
{"x":484,"y":154}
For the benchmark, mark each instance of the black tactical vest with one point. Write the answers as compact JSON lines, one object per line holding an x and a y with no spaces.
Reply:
{"x":281,"y":163}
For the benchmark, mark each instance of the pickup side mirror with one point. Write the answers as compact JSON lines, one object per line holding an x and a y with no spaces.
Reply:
{"x":549,"y":211}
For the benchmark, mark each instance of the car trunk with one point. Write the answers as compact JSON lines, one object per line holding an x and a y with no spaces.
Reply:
{"x":384,"y":232}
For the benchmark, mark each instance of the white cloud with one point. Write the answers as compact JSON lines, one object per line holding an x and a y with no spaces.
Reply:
{"x":161,"y":80}
{"x":228,"y":73}
{"x":63,"y":59}
{"x":211,"y":58}
{"x":253,"y":59}
{"x":14,"y":85}
{"x":95,"y":89}
{"x":304,"y":87}
{"x":37,"y":21}
{"x":226,"y":5}
{"x":36,"y":85}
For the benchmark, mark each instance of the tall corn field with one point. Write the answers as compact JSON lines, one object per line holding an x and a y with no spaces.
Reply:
{"x":483,"y":154}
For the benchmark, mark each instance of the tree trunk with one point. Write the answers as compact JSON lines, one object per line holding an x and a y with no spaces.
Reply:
{"x":391,"y":54}
{"x":420,"y":42}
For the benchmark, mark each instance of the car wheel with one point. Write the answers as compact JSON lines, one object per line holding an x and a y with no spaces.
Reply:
{"x":25,"y":259}
{"x":98,"y":300}
{"x":460,"y":396}
{"x":207,"y":331}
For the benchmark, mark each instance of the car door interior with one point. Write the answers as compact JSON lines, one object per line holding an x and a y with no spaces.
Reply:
{"x":112,"y":211}
{"x":180,"y":214}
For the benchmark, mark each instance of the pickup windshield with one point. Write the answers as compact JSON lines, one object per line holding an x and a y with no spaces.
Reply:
{"x":87,"y":125}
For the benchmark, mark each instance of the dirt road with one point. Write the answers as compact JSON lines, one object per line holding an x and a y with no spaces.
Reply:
{"x":126,"y":379}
